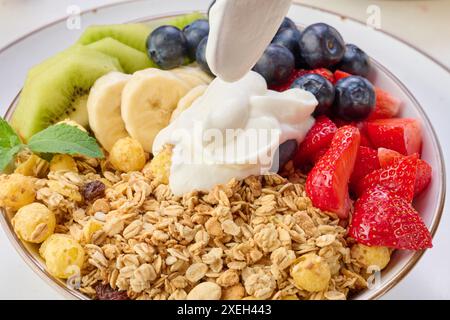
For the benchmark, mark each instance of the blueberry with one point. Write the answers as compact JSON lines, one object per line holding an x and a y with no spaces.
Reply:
{"x":286,"y":24}
{"x":167,"y":47}
{"x":194,"y":33}
{"x":200,"y":56}
{"x":284,"y":153}
{"x":276,"y":64}
{"x":321,"y":46}
{"x":355,"y":61}
{"x":290,"y":38}
{"x":320,"y":87}
{"x":355,"y":98}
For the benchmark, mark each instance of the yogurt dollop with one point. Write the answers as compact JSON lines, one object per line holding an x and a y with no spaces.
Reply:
{"x":240,"y":31}
{"x":233,"y":131}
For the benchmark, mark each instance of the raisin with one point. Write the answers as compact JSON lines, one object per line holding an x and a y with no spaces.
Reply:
{"x":105,"y":292}
{"x":94,"y":190}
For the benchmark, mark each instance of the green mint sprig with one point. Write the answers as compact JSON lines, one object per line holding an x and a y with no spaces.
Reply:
{"x":59,"y":138}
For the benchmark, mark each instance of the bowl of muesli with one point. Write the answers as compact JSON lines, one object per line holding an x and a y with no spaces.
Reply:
{"x":103,"y":204}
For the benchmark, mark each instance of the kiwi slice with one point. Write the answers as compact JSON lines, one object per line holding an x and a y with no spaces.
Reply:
{"x":58,"y":89}
{"x":131,"y":59}
{"x":133,"y":34}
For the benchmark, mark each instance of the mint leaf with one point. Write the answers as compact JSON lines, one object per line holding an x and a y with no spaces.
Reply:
{"x":8,"y":138}
{"x":7,"y":155}
{"x":65,"y":139}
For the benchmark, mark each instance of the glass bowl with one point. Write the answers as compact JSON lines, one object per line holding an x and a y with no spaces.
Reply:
{"x":430,"y":204}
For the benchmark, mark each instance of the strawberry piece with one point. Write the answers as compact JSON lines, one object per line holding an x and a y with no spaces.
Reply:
{"x":338,"y":75}
{"x":316,"y":141}
{"x":366,"y":162}
{"x":327,"y":74}
{"x":424,"y":170}
{"x":386,"y":106}
{"x":402,"y":135}
{"x":381,"y":218}
{"x":327,"y":183}
{"x":365,"y":141}
{"x":398,"y":177}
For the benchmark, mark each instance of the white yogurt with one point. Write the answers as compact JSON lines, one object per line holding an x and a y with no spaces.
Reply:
{"x":240,"y":31}
{"x":233,"y":131}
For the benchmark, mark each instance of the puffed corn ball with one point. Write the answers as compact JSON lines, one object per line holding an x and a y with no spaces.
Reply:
{"x":33,"y":167}
{"x":63,"y":255}
{"x":127,"y":155}
{"x":311,"y":273}
{"x":16,"y":191}
{"x":91,"y":227}
{"x":371,"y":256}
{"x":63,"y":162}
{"x":34,"y":223}
{"x":160,"y":165}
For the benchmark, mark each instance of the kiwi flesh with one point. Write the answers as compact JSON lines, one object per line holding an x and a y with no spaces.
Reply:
{"x":58,"y":90}
{"x":133,"y":34}
{"x":131,"y":59}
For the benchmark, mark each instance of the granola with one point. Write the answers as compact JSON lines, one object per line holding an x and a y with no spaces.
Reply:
{"x":242,"y":240}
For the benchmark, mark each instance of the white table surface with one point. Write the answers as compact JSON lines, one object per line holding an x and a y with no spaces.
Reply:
{"x":430,"y":32}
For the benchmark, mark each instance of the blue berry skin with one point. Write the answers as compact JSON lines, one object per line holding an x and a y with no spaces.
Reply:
{"x":286,"y":24}
{"x":355,"y":98}
{"x":276,"y":64}
{"x":284,"y":153}
{"x":321,"y":46}
{"x":167,"y":47}
{"x":290,"y":38}
{"x":194,"y":33}
{"x":321,"y":88}
{"x":355,"y":61}
{"x":200,"y":56}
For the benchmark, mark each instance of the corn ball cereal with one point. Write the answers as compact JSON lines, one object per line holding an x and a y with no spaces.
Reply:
{"x":160,"y":165}
{"x":127,"y":155}
{"x":63,"y":162}
{"x":371,"y":256}
{"x":62,"y":255}
{"x":16,"y":191}
{"x":34,"y":223}
{"x":311,"y":273}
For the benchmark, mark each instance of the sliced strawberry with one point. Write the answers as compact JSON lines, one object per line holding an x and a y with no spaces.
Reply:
{"x":402,"y":135}
{"x":381,"y":218}
{"x":338,"y":75}
{"x":365,"y":141}
{"x":399,"y":177}
{"x":300,"y":72}
{"x":386,"y":106}
{"x":327,"y":183}
{"x":316,"y":141}
{"x":424,"y":170}
{"x":366,"y":162}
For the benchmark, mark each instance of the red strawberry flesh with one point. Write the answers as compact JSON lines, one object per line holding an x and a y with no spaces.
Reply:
{"x":386,"y":106}
{"x":383,"y":219}
{"x":327,"y":183}
{"x":338,"y":75}
{"x":316,"y":141}
{"x":402,"y":135}
{"x":366,"y":162}
{"x":399,"y":178}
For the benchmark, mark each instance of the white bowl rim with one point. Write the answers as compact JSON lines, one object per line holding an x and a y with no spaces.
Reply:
{"x":71,"y":293}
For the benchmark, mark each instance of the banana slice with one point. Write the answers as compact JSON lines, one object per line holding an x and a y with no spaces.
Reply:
{"x":190,"y":78}
{"x":187,"y":100}
{"x":192,"y":69}
{"x":148,"y":101}
{"x":104,"y":110}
